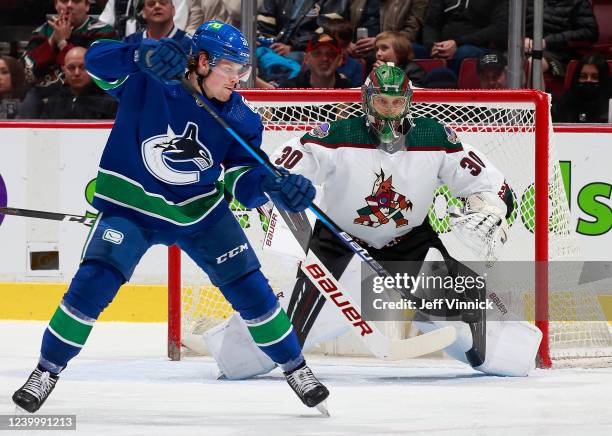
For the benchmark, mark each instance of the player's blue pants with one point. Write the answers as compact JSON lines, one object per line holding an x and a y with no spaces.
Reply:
{"x":114,"y":247}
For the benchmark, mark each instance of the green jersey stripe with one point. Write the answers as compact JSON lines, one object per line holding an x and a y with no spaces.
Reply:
{"x":126,"y":193}
{"x":231,"y":178}
{"x":108,"y":85}
{"x":64,"y":340}
{"x":276,"y":341}
{"x":272,"y":330}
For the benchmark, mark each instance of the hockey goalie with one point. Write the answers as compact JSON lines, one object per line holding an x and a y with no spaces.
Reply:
{"x":377,"y":175}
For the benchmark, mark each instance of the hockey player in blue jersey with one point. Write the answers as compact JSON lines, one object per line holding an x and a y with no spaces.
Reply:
{"x":158,"y":183}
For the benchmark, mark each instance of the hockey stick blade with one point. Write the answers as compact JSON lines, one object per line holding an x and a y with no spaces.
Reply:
{"x":374,"y":340}
{"x":55,"y":216}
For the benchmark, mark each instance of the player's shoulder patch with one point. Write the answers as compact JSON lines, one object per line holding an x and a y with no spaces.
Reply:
{"x":451,"y":135}
{"x":348,"y":132}
{"x":321,"y":131}
{"x":428,"y":132}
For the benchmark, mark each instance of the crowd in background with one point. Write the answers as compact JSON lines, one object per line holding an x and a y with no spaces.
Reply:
{"x":310,"y":44}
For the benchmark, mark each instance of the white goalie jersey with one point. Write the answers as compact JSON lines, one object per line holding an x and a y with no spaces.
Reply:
{"x":365,"y":187}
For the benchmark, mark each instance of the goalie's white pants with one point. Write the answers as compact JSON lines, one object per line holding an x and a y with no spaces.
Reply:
{"x":511,"y":345}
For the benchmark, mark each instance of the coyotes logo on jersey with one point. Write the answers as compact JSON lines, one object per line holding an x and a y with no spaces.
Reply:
{"x":383,"y":204}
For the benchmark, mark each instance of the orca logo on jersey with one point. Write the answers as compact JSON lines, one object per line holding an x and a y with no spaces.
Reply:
{"x":176,"y":159}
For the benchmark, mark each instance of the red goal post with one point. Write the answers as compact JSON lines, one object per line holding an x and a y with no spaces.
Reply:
{"x":482,"y":112}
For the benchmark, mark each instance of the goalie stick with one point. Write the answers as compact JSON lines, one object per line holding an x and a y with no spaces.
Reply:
{"x":379,"y":344}
{"x":324,"y":281}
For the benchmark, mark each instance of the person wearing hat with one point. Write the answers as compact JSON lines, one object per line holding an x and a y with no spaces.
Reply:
{"x":491,"y":70}
{"x":322,"y":59}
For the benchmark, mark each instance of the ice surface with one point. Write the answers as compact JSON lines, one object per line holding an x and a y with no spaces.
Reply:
{"x":122,"y":384}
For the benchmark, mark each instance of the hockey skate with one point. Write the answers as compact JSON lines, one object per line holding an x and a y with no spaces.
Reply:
{"x":308,"y":388}
{"x":35,"y":391}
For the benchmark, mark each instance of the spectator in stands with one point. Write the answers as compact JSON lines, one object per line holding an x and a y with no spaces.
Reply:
{"x":377,"y":16}
{"x":323,"y":57}
{"x":565,"y":22}
{"x":78,"y":97}
{"x":441,"y":78}
{"x":395,"y":47}
{"x":492,"y":71}
{"x":50,"y":42}
{"x":587,"y":100}
{"x":126,"y":15}
{"x":158,"y":14}
{"x":455,"y":30}
{"x":201,"y":11}
{"x":343,"y":31}
{"x":12,"y":86}
{"x":292,"y":23}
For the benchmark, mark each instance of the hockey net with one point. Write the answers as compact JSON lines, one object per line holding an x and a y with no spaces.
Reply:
{"x":513,"y":129}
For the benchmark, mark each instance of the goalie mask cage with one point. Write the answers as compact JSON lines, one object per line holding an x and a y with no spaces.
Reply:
{"x":513,"y":129}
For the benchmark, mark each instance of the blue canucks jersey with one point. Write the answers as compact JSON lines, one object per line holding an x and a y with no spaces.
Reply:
{"x":164,"y":156}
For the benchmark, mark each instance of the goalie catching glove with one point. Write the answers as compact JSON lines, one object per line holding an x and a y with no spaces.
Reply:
{"x":481,"y":224}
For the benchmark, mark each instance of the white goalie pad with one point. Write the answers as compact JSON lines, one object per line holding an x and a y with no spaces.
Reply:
{"x":511,"y":346}
{"x":232,"y":346}
{"x":481,"y":224}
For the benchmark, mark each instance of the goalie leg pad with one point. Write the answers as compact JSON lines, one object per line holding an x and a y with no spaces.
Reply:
{"x":511,"y":345}
{"x":232,"y":346}
{"x":511,"y":348}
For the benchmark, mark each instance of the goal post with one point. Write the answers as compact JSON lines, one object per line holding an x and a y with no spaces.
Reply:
{"x":512,"y":127}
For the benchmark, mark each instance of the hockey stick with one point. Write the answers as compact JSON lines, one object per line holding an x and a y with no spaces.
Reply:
{"x":379,"y":344}
{"x":55,"y":216}
{"x":350,"y":310}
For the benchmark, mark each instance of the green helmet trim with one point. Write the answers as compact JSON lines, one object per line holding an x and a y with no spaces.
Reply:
{"x":392,"y":81}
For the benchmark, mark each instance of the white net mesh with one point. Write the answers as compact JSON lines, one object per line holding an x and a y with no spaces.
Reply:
{"x":506,"y":134}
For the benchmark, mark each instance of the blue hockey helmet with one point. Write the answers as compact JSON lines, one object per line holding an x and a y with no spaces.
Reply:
{"x":221,"y":41}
